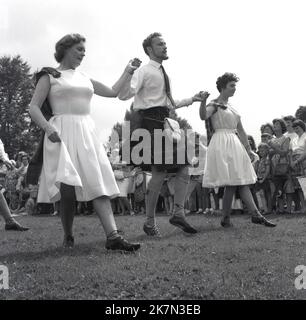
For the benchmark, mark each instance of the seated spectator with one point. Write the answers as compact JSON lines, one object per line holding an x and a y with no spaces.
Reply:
{"x":22,"y":171}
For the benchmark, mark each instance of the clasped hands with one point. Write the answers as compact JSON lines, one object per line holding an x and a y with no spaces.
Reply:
{"x":133,"y":65}
{"x":201,"y":96}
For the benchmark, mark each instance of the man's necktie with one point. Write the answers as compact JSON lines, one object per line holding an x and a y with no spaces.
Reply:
{"x":167,"y":86}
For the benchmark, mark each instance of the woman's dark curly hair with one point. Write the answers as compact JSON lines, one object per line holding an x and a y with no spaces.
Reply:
{"x":65,"y":43}
{"x":223,"y":80}
{"x":282,"y":123}
{"x":299,"y":123}
{"x":269,"y":125}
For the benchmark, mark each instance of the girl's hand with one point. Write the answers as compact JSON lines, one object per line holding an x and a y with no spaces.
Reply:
{"x":54,"y":137}
{"x":52,"y":133}
{"x":201,"y":96}
{"x":133,"y":65}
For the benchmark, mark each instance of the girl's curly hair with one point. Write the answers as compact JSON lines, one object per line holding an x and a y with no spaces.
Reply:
{"x":223,"y":80}
{"x":269,"y":125}
{"x":282,"y":123}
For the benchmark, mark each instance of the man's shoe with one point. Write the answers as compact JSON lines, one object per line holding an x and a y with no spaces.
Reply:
{"x":121,"y":244}
{"x":68,"y":242}
{"x":15,"y":226}
{"x":263,"y":221}
{"x":180,"y":222}
{"x":226,"y":222}
{"x":152,"y":231}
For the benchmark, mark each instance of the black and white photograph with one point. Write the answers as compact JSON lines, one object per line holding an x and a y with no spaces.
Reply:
{"x":152,"y":152}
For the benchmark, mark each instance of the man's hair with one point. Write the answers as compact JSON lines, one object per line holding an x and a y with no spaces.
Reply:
{"x":65,"y":43}
{"x":147,"y":42}
{"x":299,"y":123}
{"x":223,"y":80}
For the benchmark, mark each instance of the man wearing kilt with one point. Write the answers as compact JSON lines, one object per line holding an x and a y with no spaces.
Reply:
{"x":153,"y":102}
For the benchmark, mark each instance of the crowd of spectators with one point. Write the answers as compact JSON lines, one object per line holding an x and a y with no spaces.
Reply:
{"x":279,"y":162}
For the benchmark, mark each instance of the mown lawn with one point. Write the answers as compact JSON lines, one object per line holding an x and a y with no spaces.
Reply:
{"x":245,"y":262}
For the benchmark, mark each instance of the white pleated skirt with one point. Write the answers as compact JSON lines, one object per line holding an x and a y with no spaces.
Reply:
{"x":80,"y":160}
{"x":227,"y":162}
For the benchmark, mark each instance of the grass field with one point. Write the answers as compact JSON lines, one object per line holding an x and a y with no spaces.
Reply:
{"x":244,"y":262}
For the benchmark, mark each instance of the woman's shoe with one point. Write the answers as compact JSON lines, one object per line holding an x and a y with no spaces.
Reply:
{"x":15,"y":226}
{"x":226,"y":222}
{"x":263,"y":221}
{"x":121,"y":244}
{"x":68,"y":242}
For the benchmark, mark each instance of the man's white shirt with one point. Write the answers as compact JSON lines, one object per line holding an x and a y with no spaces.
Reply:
{"x":147,"y":86}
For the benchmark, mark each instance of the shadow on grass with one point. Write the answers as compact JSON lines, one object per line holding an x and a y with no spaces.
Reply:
{"x":79,"y":250}
{"x":98,"y":247}
{"x":174,"y":232}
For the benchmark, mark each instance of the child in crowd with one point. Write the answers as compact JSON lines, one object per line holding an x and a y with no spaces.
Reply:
{"x":263,"y":170}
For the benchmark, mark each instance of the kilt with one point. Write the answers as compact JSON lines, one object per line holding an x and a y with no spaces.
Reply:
{"x":163,"y":159}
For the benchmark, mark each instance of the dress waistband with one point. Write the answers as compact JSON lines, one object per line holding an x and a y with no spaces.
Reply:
{"x":71,"y":114}
{"x":226,"y":130}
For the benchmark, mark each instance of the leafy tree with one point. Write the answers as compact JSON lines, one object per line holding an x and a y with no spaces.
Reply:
{"x":16,"y":89}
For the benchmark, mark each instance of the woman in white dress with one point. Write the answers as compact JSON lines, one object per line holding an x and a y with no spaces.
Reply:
{"x":75,"y":165}
{"x":228,"y":161}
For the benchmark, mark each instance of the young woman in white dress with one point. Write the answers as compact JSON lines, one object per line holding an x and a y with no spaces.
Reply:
{"x":228,"y":161}
{"x":75,"y":165}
